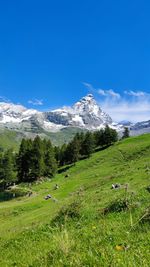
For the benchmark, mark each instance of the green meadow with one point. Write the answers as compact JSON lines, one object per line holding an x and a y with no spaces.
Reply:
{"x":86,"y":223}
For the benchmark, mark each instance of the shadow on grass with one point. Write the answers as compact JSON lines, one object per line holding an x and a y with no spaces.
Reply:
{"x":65,"y":168}
{"x":102,"y":148}
{"x":9,"y":195}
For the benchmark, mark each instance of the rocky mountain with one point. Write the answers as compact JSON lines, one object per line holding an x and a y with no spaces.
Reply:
{"x":85,"y":114}
{"x":140,"y":128}
{"x":137,"y":128}
{"x":126,"y":123}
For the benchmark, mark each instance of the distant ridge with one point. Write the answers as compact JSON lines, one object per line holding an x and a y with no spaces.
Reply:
{"x":85,"y":114}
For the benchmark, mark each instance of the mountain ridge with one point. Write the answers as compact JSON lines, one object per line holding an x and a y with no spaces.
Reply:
{"x":85,"y":114}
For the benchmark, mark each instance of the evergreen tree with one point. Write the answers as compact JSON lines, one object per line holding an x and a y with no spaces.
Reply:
{"x":76,"y":147}
{"x":62,"y":155}
{"x":7,"y":167}
{"x":88,"y":144}
{"x":37,"y":159}
{"x":126,"y":133}
{"x":96,"y":137}
{"x":57,"y":154}
{"x":72,"y":152}
{"x":99,"y":138}
{"x":107,"y":136}
{"x":49,"y":160}
{"x":24,"y":160}
{"x":110,"y":136}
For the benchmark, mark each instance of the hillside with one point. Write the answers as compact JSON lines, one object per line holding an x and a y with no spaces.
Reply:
{"x":9,"y":139}
{"x":86,"y":223}
{"x":12,"y":139}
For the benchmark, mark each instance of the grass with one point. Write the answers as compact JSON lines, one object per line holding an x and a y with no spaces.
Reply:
{"x":9,"y":139}
{"x":72,"y":229}
{"x":12,"y":138}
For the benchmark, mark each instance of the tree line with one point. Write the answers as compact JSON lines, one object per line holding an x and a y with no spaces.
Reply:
{"x":35,"y":159}
{"x":84,"y":144}
{"x":39,"y":158}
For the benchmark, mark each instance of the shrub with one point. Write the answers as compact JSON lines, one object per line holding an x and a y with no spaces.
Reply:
{"x":118,"y":205}
{"x":67,"y":212}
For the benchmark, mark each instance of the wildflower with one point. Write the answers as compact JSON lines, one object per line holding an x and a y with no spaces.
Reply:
{"x":119,"y":247}
{"x":93,"y":227}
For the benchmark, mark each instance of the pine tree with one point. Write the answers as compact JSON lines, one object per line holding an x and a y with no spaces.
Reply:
{"x":57,"y":154}
{"x":99,"y":138}
{"x":7,"y":167}
{"x":62,"y":155}
{"x":110,"y":136}
{"x":114,"y":135}
{"x":88,"y":144}
{"x":76,"y":147}
{"x":72,"y":152}
{"x":24,"y":160}
{"x":126,"y":133}
{"x":37,"y":159}
{"x":49,"y":160}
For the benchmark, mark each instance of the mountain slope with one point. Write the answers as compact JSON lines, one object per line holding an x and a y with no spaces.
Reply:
{"x":75,"y":231}
{"x":12,"y":139}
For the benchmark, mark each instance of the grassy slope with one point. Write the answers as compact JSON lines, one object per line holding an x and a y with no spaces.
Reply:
{"x":64,"y":135}
{"x":28,"y":237}
{"x":9,"y":139}
{"x":12,"y":139}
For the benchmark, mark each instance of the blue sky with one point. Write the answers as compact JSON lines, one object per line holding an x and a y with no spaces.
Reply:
{"x":54,"y":52}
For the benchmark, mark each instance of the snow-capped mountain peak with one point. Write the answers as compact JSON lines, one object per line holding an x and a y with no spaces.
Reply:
{"x":86,"y":113}
{"x":87,"y":105}
{"x":10,"y":107}
{"x":10,"y":112}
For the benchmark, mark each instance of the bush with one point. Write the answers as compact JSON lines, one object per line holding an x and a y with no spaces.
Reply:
{"x":68,"y":212}
{"x":117,"y":206}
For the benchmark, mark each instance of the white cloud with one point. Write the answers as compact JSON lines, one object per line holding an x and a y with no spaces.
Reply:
{"x":36,"y":102}
{"x":134,"y":110}
{"x":131,"y":105}
{"x":88,"y":86}
{"x":110,"y":92}
{"x":136,"y":93}
{"x":101,"y":92}
{"x":4,"y":99}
